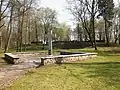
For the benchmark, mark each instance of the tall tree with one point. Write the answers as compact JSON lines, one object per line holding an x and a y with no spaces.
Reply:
{"x":85,"y":11}
{"x":62,"y":32}
{"x":9,"y":28}
{"x":106,"y":8}
{"x":22,"y":7}
{"x":4,"y":4}
{"x":48,"y":18}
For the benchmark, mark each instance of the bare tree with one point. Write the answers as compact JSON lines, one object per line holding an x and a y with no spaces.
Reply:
{"x":9,"y":28}
{"x":24,"y":6}
{"x":48,"y":18}
{"x":85,"y":11}
{"x":4,"y":4}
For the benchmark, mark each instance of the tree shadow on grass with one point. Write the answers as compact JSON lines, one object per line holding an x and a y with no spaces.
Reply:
{"x":108,"y":53}
{"x":109,"y":71}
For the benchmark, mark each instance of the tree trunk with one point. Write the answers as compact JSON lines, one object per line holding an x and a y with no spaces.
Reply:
{"x":93,"y":24}
{"x":89,"y":35}
{"x":9,"y":29}
{"x":21,"y":31}
{"x":79,"y":32}
{"x":93,"y":28}
{"x":36,"y":32}
{"x":18,"y":31}
{"x":106,"y":33}
{"x":100,"y":36}
{"x":1,"y":4}
{"x":26,"y":34}
{"x":81,"y":39}
{"x":91,"y":39}
{"x":119,"y":29}
{"x":44,"y":37}
{"x":17,"y":44}
{"x":29,"y":28}
{"x":119,"y":39}
{"x":43,"y":42}
{"x":85,"y":26}
{"x":25,"y":42}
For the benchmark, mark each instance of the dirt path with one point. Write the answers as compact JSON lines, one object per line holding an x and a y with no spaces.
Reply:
{"x":10,"y":73}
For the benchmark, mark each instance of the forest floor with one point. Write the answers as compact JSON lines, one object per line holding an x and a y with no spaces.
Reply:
{"x":100,"y":73}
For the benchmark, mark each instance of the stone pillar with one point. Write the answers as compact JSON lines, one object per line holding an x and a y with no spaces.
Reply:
{"x":50,"y":42}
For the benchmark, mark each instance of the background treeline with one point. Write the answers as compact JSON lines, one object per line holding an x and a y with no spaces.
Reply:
{"x":96,"y":20}
{"x":24,"y":21}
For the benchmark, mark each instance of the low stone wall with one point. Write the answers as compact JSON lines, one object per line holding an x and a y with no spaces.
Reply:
{"x":10,"y":58}
{"x":66,"y":58}
{"x":29,"y":56}
{"x":41,"y":58}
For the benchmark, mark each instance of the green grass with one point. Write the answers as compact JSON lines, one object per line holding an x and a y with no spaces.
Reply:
{"x":101,"y":73}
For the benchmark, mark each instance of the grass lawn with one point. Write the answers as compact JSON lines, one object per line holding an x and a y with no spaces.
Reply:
{"x":101,"y":73}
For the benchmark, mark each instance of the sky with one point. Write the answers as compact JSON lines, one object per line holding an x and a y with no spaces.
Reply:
{"x":60,"y":6}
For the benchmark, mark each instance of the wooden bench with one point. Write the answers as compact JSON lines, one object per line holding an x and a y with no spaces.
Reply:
{"x":10,"y":58}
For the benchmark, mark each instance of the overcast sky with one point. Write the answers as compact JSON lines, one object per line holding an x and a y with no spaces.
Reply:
{"x":59,"y":6}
